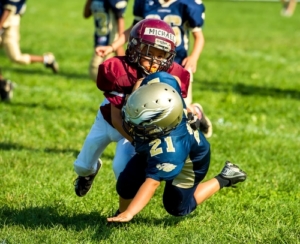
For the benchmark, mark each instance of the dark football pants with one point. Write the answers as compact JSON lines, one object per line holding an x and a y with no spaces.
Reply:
{"x":177,"y":201}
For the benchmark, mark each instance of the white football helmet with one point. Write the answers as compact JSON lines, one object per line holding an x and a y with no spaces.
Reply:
{"x":152,"y":110}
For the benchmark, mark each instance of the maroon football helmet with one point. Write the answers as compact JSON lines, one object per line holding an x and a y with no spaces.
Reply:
{"x":151,"y":33}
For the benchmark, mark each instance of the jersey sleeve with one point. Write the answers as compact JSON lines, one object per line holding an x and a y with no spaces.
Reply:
{"x":107,"y":81}
{"x":196,"y":14}
{"x":118,"y":7}
{"x":138,"y":10}
{"x":183,"y":75}
{"x":14,"y":5}
{"x":116,"y":79}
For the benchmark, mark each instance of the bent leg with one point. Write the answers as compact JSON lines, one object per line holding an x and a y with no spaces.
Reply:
{"x":93,"y":147}
{"x":132,"y":177}
{"x":124,"y":152}
{"x":11,"y":45}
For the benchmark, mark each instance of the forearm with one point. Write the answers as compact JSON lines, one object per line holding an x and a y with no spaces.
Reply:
{"x":87,"y":9}
{"x":117,"y":122}
{"x":121,"y":26}
{"x":4,"y":17}
{"x":143,"y":196}
{"x":122,"y":39}
{"x":198,"y":44}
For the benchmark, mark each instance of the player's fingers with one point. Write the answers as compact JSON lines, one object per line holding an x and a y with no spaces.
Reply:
{"x":117,"y":219}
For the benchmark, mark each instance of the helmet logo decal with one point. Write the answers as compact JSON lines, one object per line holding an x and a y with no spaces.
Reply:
{"x":159,"y":33}
{"x":166,"y":45}
{"x":166,"y":167}
{"x":148,"y":117}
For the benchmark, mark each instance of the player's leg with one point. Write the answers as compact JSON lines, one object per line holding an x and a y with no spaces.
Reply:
{"x":291,"y":7}
{"x":179,"y":201}
{"x":230,"y":175}
{"x":178,"y":198}
{"x":87,"y":163}
{"x":124,"y":152}
{"x":130,"y":180}
{"x":11,"y":45}
{"x":93,"y":68}
{"x":288,"y":7}
{"x":6,"y":88}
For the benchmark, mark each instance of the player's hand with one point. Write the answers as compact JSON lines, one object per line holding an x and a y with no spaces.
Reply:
{"x":122,"y":217}
{"x":102,"y":51}
{"x":193,"y":121}
{"x":190,"y":63}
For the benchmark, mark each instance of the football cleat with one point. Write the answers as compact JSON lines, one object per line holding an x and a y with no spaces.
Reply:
{"x":6,"y":90}
{"x":232,"y":173}
{"x":50,"y":62}
{"x":205,"y":123}
{"x":84,"y":183}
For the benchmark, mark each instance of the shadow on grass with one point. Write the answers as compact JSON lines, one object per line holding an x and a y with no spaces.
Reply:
{"x":249,"y":90}
{"x":19,"y":147}
{"x":49,"y":217}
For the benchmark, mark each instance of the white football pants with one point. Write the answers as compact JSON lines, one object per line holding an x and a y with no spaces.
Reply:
{"x":100,"y":135}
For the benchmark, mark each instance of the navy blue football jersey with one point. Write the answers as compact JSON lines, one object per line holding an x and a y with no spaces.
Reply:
{"x":183,"y":15}
{"x":105,"y":13}
{"x":16,"y":5}
{"x":168,"y":156}
{"x":180,"y":152}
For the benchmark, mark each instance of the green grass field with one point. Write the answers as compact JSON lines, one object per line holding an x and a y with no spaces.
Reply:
{"x":248,"y":81}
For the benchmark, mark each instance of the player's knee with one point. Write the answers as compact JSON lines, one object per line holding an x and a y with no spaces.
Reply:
{"x":15,"y":58}
{"x":176,"y":211}
{"x":19,"y":59}
{"x":125,"y":189}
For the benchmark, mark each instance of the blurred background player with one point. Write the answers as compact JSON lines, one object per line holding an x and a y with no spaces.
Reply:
{"x":6,"y":88}
{"x":10,"y":17}
{"x":167,"y":150}
{"x":109,"y":24}
{"x":185,"y":17}
{"x":288,"y":7}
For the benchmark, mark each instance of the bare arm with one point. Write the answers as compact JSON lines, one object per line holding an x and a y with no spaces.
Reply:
{"x":87,"y":9}
{"x":4,"y":16}
{"x":140,"y":200}
{"x":102,"y":51}
{"x":117,"y":122}
{"x":190,"y":62}
{"x":121,"y":29}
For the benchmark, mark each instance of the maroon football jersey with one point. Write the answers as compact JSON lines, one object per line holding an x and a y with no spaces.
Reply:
{"x":116,"y":78}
